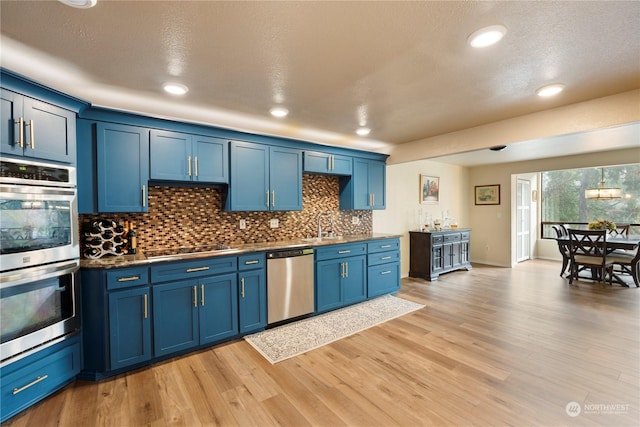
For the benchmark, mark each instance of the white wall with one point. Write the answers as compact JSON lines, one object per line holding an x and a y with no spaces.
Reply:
{"x":403,"y":204}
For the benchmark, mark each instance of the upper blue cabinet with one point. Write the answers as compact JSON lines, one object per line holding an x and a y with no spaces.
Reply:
{"x":264,"y":178}
{"x":36,"y":129}
{"x":177,"y":156}
{"x":366,"y":188}
{"x":320,"y":162}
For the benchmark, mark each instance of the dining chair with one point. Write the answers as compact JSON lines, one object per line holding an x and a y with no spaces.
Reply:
{"x":629,"y":263}
{"x":563,"y":248}
{"x":620,"y":230}
{"x":588,"y":249}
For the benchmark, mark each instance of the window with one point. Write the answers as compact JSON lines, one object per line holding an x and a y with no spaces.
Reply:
{"x":563,"y":198}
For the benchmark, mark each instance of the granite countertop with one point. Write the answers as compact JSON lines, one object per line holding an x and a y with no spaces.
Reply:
{"x":236,"y":249}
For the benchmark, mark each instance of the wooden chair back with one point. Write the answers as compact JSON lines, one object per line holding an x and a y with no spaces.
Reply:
{"x":621,"y":230}
{"x":588,"y":248}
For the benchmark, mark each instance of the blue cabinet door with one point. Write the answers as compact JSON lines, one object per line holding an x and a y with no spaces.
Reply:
{"x":211,"y":159}
{"x":252,"y":300}
{"x":319,"y":162}
{"x":377,"y":183}
{"x":123,"y":168}
{"x":218,"y":300}
{"x":170,"y":156}
{"x":383,"y":279}
{"x":285,"y":179}
{"x":175,"y":317}
{"x":249,"y":181}
{"x":366,"y":187}
{"x":129,"y":327}
{"x":47,"y":131}
{"x":328,"y":284}
{"x":354,"y":282}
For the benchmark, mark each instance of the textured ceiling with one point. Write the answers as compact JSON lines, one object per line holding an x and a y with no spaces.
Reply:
{"x":403,"y":68}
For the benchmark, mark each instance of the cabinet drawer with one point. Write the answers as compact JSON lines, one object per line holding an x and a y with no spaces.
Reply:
{"x":384,"y":257}
{"x":383,"y":245}
{"x":383,"y":279}
{"x":339,"y":251}
{"x":127,"y":277}
{"x":438,"y":238}
{"x":196,"y":268}
{"x":251,"y":261}
{"x":454,"y":237}
{"x":465,"y":235}
{"x":37,"y":377}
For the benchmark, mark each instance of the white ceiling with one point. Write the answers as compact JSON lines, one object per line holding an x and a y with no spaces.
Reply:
{"x":403,"y":68}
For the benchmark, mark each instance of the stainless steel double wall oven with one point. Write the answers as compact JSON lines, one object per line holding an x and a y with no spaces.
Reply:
{"x":39,"y":256}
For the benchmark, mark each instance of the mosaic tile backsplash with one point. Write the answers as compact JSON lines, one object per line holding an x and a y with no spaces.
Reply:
{"x":190,"y":216}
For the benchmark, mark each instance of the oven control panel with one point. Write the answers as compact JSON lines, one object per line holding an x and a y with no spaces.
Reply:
{"x":32,"y":173}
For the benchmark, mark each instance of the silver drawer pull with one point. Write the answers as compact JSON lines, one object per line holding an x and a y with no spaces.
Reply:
{"x":128,"y":279}
{"x":344,"y":252}
{"x":255,"y":261}
{"x":386,"y":257}
{"x":385,"y":246}
{"x":193,"y":270}
{"x":32,"y":383}
{"x":386,"y":272}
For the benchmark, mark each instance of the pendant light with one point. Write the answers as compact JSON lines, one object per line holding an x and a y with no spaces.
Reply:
{"x":602,"y":192}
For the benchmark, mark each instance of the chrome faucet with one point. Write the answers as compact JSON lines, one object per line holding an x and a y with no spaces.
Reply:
{"x":320,"y":223}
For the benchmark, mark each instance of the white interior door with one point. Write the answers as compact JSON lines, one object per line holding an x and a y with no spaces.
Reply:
{"x":523,"y":220}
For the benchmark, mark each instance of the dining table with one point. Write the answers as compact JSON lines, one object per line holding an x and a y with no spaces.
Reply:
{"x":630,"y":242}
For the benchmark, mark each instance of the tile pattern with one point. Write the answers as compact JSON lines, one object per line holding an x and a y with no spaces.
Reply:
{"x":189,"y":216}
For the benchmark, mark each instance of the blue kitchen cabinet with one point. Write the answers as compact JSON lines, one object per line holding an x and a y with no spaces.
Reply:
{"x":37,"y":376}
{"x":252,"y":301}
{"x":341,"y":276}
{"x":176,"y":156}
{"x":325,"y":163}
{"x":383,"y":267}
{"x":122,"y":153}
{"x":365,"y":189}
{"x":175,"y":317}
{"x":36,"y":129}
{"x":129,"y":327}
{"x":218,"y":313}
{"x":264,"y":178}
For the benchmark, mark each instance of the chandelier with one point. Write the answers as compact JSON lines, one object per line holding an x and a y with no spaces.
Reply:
{"x":602,"y":192}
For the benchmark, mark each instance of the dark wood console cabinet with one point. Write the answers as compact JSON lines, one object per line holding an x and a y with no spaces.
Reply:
{"x":435,"y":252}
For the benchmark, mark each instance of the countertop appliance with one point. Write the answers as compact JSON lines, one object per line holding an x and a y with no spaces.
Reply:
{"x":290,"y":289}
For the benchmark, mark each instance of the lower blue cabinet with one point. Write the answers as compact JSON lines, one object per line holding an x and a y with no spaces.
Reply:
{"x":383,"y":279}
{"x":35,"y":377}
{"x":193,"y":312}
{"x":252,"y":301}
{"x":340,"y":282}
{"x":129,"y":327}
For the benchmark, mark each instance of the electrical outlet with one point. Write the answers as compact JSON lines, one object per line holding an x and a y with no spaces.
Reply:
{"x":243,"y":224}
{"x":275,"y":223}
{"x":355,"y":220}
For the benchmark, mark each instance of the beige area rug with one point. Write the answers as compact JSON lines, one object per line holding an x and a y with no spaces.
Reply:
{"x":289,"y":340}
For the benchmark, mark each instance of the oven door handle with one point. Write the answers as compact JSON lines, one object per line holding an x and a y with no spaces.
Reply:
{"x":18,"y":277}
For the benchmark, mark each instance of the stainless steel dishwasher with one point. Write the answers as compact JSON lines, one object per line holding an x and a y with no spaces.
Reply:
{"x":290,"y":291}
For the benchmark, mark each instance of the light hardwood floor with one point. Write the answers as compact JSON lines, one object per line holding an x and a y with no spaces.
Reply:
{"x":494,"y":346}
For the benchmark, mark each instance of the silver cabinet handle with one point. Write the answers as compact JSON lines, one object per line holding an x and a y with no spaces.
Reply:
{"x":32,"y":141}
{"x":273,"y":198}
{"x":189,"y":165}
{"x":385,"y":246}
{"x":146,"y":303}
{"x":342,"y":268}
{"x":344,"y":252}
{"x":242,"y":290}
{"x":386,"y":272}
{"x":32,"y":383}
{"x":329,"y":162}
{"x":386,"y":257}
{"x":128,"y":279}
{"x":195,"y":296}
{"x":193,"y":270}
{"x":144,"y":195}
{"x":373,"y":199}
{"x":195,"y":161}
{"x":346,"y":264}
{"x":255,"y":261}
{"x":20,"y":123}
{"x":202,"y":295}
{"x":267,"y":198}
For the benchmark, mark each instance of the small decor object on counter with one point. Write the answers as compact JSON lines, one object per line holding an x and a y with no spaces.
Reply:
{"x":601,"y":224}
{"x":104,"y":237}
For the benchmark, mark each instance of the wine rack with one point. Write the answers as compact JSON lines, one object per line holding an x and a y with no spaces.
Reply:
{"x":104,"y":237}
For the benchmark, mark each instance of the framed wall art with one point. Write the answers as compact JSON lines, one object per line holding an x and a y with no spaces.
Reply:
{"x":487,"y":194}
{"x":429,"y":189}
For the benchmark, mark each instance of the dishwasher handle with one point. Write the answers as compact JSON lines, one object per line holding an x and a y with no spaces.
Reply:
{"x":289,"y":253}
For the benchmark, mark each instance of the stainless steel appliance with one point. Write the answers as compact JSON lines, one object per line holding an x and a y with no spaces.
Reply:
{"x":39,"y":256}
{"x":290,"y":290}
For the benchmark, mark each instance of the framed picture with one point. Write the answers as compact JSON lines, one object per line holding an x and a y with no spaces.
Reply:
{"x":488,"y":194}
{"x":429,"y":189}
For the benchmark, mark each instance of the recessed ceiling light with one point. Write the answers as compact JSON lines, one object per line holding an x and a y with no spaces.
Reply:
{"x":497,"y":147}
{"x":279,"y":112}
{"x":550,"y":90}
{"x":487,"y":36}
{"x":175,"y":88}
{"x":363,"y":131}
{"x":80,"y":4}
